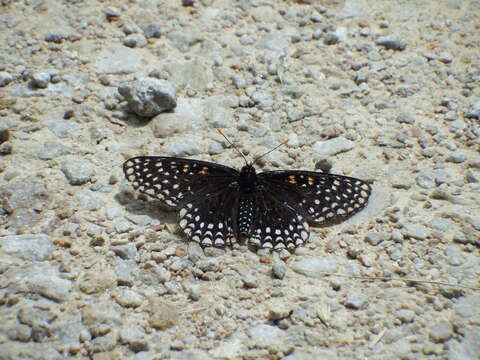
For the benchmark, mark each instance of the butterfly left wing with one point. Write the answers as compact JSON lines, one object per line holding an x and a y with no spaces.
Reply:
{"x":321,"y":197}
{"x":173,"y":180}
{"x":278,"y":224}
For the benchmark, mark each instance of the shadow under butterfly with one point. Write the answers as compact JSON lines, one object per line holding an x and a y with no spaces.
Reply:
{"x":218,"y":205}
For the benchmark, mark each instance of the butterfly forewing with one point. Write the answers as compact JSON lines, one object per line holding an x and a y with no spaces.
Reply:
{"x":321,"y":197}
{"x":175,"y":181}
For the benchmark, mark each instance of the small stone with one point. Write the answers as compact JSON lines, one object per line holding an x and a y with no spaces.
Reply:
{"x":391,"y":44}
{"x":279,"y":269}
{"x":456,"y":157}
{"x":278,"y":309}
{"x":331,"y":39}
{"x":125,"y":272}
{"x":405,"y":315}
{"x":52,"y":149}
{"x":324,"y":165}
{"x":441,"y":331}
{"x":6,"y":148}
{"x":194,"y":292}
{"x":162,"y":316}
{"x":128,"y":298}
{"x":18,"y":332}
{"x":41,"y":79}
{"x":36,"y":247}
{"x":134,"y":337}
{"x":122,"y":226}
{"x":474,"y":111}
{"x":152,"y":31}
{"x":148,"y":97}
{"x":267,"y":336}
{"x":249,"y":280}
{"x":454,"y":256}
{"x":333,"y":146}
{"x":95,"y":282}
{"x":416,"y":231}
{"x":315,"y":267}
{"x":405,"y":119}
{"x":375,"y":238}
{"x":186,"y":147}
{"x":135,"y":41}
{"x":4,"y":134}
{"x":356,"y":301}
{"x":77,"y":172}
{"x":5,"y":78}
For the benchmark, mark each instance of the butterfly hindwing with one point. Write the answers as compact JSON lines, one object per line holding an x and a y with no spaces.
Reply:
{"x":210,"y":219}
{"x":278,"y":224}
{"x":321,"y":197}
{"x":175,"y":180}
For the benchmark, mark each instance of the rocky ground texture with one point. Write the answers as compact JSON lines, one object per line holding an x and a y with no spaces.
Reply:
{"x":387,"y":91}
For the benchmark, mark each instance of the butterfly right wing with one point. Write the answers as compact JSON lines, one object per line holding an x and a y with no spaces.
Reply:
{"x":175,"y":181}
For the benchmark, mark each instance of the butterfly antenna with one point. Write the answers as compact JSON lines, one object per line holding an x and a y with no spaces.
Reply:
{"x":284,"y":142}
{"x":221,"y":133}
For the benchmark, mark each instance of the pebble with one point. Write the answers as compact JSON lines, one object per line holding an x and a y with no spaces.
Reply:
{"x":315,"y":267}
{"x":5,"y":78}
{"x":77,"y":172}
{"x":441,"y":331}
{"x":279,"y":269}
{"x":278,"y":309}
{"x":405,"y":315}
{"x":117,"y":59}
{"x":41,"y":79}
{"x":333,"y":146}
{"x":416,"y":231}
{"x":391,"y":43}
{"x":53,"y":149}
{"x":128,"y":298}
{"x":152,"y":31}
{"x":94,"y":282}
{"x":40,"y":278}
{"x":457,"y":157}
{"x":267,"y":336}
{"x":403,"y":118}
{"x":135,"y":41}
{"x":356,"y":301}
{"x":162,"y":316}
{"x":125,"y":272}
{"x":127,"y":251}
{"x":186,"y":147}
{"x":474,"y":111}
{"x":134,"y":337}
{"x":454,"y":256}
{"x":194,"y":292}
{"x":375,"y":238}
{"x":148,"y":97}
{"x":29,"y":247}
{"x":324,"y":165}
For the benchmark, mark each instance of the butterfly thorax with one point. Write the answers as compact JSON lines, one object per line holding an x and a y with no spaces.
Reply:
{"x":247,"y":180}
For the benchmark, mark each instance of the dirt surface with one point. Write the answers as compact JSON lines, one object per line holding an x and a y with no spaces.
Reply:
{"x":386,"y":91}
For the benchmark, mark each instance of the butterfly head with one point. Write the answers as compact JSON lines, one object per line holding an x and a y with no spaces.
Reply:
{"x":247,"y":179}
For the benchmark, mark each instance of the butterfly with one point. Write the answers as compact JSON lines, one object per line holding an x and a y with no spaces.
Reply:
{"x":217,"y":205}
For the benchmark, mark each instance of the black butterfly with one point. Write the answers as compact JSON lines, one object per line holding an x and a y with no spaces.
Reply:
{"x":217,"y":204}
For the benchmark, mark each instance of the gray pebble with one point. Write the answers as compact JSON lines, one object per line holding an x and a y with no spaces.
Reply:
{"x":57,"y":35}
{"x":473,"y":176}
{"x":135,"y":41}
{"x":468,"y":347}
{"x":356,"y":301}
{"x":324,"y":165}
{"x":278,"y":310}
{"x":333,"y":146}
{"x":148,"y":97}
{"x":391,"y":43}
{"x":249,"y":280}
{"x":454,"y":256}
{"x":405,"y":119}
{"x":441,"y":331}
{"x":125,"y":272}
{"x":194,"y":292}
{"x":315,"y":267}
{"x":5,"y":78}
{"x":375,"y":238}
{"x":128,"y":298}
{"x":134,"y":336}
{"x":18,"y":332}
{"x":77,"y":172}
{"x":267,"y":336}
{"x":41,"y":79}
{"x":279,"y":269}
{"x":416,"y":231}
{"x":457,"y":157}
{"x":331,"y":39}
{"x":152,"y":31}
{"x":52,"y":149}
{"x":30,"y":247}
{"x":405,"y":315}
{"x":474,"y":111}
{"x":126,"y":251}
{"x":186,"y":147}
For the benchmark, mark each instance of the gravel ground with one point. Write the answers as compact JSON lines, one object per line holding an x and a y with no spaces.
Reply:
{"x":381,"y":90}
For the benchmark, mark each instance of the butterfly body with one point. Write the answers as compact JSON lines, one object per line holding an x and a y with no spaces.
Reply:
{"x":218,"y":204}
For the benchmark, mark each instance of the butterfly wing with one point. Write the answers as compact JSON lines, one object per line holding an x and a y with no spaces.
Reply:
{"x":278,"y":223}
{"x":210,"y":218}
{"x":321,"y":197}
{"x":175,"y":181}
